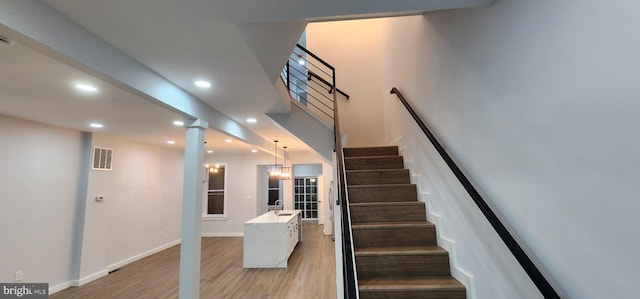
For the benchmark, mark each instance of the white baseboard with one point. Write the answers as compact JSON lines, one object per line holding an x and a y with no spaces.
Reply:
{"x":466,"y":278}
{"x":222,"y":234}
{"x":89,"y":278}
{"x":136,"y":257}
{"x":415,"y":178}
{"x":59,"y":287}
{"x":395,"y":141}
{"x":102,"y":273}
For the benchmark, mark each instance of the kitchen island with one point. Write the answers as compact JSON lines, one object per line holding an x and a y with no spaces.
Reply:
{"x":269,"y":239}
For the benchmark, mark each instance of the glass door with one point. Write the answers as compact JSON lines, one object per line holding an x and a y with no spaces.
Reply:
{"x":305,"y":197}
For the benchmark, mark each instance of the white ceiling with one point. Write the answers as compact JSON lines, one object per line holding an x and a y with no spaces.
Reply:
{"x":239,"y":46}
{"x":36,"y":87}
{"x":183,"y":41}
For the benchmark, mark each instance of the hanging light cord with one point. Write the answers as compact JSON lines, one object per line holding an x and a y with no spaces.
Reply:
{"x":275,"y":154}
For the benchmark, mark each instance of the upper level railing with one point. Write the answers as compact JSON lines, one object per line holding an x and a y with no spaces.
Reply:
{"x":299,"y":73}
{"x":529,"y":267}
{"x":313,"y":75}
{"x":310,"y":81}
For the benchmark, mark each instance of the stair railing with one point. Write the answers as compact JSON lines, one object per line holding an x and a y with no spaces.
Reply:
{"x":307,"y":76}
{"x":313,"y":75}
{"x":525,"y":262}
{"x":309,"y":80}
{"x":348,"y":257}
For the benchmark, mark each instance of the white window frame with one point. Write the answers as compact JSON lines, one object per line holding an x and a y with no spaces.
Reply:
{"x":205,"y":204}
{"x":280,"y":194}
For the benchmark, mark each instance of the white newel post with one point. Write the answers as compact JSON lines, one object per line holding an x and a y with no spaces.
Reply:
{"x":192,"y":196}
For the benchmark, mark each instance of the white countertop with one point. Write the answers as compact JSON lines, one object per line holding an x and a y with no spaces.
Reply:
{"x":271,"y":217}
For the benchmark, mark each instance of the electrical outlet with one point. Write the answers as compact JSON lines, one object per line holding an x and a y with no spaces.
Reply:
{"x":18,"y":276}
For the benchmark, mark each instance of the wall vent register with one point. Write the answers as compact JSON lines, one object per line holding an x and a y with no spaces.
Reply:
{"x":102,"y":158}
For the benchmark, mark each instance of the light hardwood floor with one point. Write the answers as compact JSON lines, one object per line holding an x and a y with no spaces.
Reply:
{"x":311,"y":273}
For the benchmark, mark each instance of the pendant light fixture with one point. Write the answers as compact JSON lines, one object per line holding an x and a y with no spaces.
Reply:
{"x":285,"y":172}
{"x":275,"y":169}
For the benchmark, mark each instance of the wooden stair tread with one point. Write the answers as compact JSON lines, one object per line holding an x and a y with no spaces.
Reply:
{"x":371,"y":147}
{"x":382,"y":192}
{"x":400,"y":250}
{"x":379,"y":186}
{"x":404,"y":224}
{"x":395,"y":246}
{"x":370,"y":151}
{"x":373,"y":162}
{"x":387,"y":203}
{"x":370,"y":157}
{"x":444,"y":283}
{"x":377,"y":170}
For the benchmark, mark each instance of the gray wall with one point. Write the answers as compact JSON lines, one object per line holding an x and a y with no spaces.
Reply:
{"x":539,"y":101}
{"x":39,"y":185}
{"x":307,"y":170}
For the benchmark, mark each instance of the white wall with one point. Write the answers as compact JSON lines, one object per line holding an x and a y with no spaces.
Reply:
{"x":241,"y":193}
{"x":141,"y":210}
{"x":538,"y":101}
{"x":244,"y":199}
{"x":146,"y":197}
{"x":59,"y":234}
{"x":352,"y":47}
{"x":479,"y":259}
{"x":39,"y":195}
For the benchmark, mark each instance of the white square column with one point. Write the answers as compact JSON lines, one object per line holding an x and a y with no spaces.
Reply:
{"x":192,"y":196}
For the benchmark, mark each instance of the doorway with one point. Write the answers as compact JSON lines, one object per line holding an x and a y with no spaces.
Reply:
{"x":305,"y":197}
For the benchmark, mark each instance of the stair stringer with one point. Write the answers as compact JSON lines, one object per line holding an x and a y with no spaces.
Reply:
{"x":447,"y":243}
{"x":466,"y":278}
{"x":308,"y":128}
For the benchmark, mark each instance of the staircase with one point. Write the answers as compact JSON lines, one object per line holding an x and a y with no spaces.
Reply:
{"x":395,"y":247}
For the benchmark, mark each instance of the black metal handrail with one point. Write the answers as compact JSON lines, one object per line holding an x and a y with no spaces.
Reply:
{"x":316,"y":57}
{"x":525,"y":262}
{"x":348,"y":260}
{"x":313,"y":75}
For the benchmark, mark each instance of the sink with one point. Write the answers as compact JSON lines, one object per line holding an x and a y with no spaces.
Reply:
{"x":285,"y":214}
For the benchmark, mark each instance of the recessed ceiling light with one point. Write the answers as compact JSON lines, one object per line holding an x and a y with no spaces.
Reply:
{"x":202,"y":84}
{"x":171,"y":142}
{"x":86,"y":87}
{"x":228,"y":140}
{"x":210,"y":152}
{"x":251,"y":120}
{"x":301,"y":62}
{"x":96,"y":125}
{"x":254,"y":150}
{"x":178,"y":123}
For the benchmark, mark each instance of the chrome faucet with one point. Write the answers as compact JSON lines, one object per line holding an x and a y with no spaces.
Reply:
{"x":278,"y":206}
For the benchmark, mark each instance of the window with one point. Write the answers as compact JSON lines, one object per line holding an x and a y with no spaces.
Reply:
{"x":215,"y":191}
{"x":274,"y":191}
{"x":306,"y":197}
